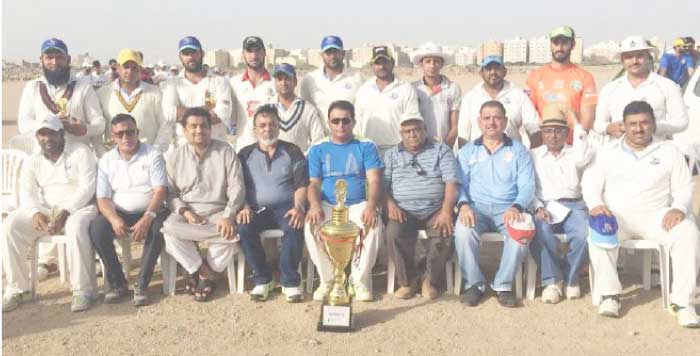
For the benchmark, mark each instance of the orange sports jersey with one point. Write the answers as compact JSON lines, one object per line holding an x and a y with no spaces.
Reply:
{"x":571,"y":86}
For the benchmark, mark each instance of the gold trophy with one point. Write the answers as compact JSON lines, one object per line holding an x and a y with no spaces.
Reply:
{"x":62,"y":106}
{"x":338,"y":238}
{"x":54,"y":215}
{"x":209,"y":100}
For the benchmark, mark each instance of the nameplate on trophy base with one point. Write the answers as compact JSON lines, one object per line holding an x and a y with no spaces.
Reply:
{"x":335,"y":318}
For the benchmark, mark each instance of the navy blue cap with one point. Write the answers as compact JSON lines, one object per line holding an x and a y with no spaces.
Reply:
{"x":54,"y":43}
{"x":603,"y":231}
{"x":329,"y":42}
{"x":189,"y":42}
{"x":284,"y":68}
{"x":491,"y":59}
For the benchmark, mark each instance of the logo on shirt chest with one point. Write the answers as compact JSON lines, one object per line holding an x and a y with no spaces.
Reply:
{"x":394,"y":96}
{"x":576,"y":85}
{"x":348,"y":86}
{"x":655,"y":161}
{"x":508,"y":156}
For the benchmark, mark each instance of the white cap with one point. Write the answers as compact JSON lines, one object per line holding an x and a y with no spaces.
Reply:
{"x":427,"y":49}
{"x":173,"y":67}
{"x":51,"y":122}
{"x":405,"y":119}
{"x":635,"y":43}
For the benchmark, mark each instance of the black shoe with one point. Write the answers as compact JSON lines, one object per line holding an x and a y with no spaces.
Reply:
{"x":472,"y":296}
{"x":507,"y":299}
{"x":116,"y":294}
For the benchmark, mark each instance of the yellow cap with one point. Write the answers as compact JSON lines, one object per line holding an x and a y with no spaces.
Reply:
{"x":678,"y":42}
{"x":129,"y":54}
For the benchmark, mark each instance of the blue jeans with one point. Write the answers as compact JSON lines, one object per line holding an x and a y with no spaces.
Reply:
{"x":489,"y":218}
{"x":290,"y":253}
{"x":545,"y":245}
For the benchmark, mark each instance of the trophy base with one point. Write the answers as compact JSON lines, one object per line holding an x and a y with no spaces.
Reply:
{"x":335,"y":318}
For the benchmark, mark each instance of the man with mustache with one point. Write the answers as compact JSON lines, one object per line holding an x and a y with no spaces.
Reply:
{"x":252,"y":88}
{"x":564,"y":83}
{"x":384,"y":101}
{"x":276,"y":175}
{"x":333,"y":82}
{"x":521,"y":112}
{"x":640,"y":82}
{"x":197,"y":87}
{"x":82,"y":119}
{"x":646,"y":185}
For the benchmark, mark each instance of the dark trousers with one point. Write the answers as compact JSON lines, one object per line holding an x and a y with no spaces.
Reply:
{"x":401,"y":240}
{"x":103,"y":236}
{"x":290,"y":252}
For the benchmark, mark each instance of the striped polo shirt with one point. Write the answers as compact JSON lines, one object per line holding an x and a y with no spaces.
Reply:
{"x":417,"y":182}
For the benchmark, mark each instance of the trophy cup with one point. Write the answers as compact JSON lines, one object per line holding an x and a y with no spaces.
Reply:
{"x":209,"y":100}
{"x":338,"y":240}
{"x":53,"y":217}
{"x":62,"y":106}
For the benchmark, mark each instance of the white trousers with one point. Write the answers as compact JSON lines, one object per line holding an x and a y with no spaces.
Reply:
{"x":683,"y":242}
{"x":361,"y":269}
{"x":181,"y":243}
{"x":20,"y":238}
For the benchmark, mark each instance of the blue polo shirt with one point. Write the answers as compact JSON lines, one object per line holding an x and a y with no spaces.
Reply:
{"x":503,"y":177}
{"x":417,"y":182}
{"x":350,"y":161}
{"x":677,"y":67}
{"x":272,"y":181}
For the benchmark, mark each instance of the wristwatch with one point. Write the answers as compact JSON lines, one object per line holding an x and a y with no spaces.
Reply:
{"x":151,"y":214}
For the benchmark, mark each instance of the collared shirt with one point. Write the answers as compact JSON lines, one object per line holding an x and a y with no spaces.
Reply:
{"x":130,"y":183}
{"x":661,"y":93}
{"x":206,"y":185}
{"x":272,"y":181}
{"x":503,"y":177}
{"x":320,"y":90}
{"x":249,"y":97}
{"x":519,"y":111}
{"x":68,"y":183}
{"x":419,"y":194}
{"x":652,"y":179}
{"x":83,"y":106}
{"x":436,"y":105}
{"x":350,"y":161}
{"x":300,"y":124}
{"x":560,"y":176}
{"x":153,"y":127}
{"x":379,"y":112}
{"x":180,"y":91}
{"x":677,"y":67}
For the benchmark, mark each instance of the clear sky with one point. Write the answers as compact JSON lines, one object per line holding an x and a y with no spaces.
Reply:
{"x":155,"y":26}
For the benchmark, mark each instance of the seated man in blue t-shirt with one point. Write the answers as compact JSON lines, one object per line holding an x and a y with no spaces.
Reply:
{"x":342,"y":156}
{"x":678,"y":65}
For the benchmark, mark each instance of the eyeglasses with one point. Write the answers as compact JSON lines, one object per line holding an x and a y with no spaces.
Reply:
{"x":414,"y":163}
{"x":127,"y":133}
{"x":552,"y":130}
{"x":344,"y":121}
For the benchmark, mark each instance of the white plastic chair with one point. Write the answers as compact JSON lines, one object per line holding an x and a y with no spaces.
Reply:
{"x":61,"y":242}
{"x":646,"y":247}
{"x":449,"y":270}
{"x":12,"y":161}
{"x":265,"y":235}
{"x":168,"y":265}
{"x":23,"y":142}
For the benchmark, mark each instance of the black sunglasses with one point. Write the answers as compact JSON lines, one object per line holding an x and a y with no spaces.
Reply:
{"x":344,"y":121}
{"x":414,"y":163}
{"x":127,"y":133}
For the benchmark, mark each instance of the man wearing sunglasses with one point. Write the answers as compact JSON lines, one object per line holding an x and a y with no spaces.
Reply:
{"x":342,"y":156}
{"x":421,"y":185}
{"x":131,"y":189}
{"x":140,"y":100}
{"x":559,"y":206}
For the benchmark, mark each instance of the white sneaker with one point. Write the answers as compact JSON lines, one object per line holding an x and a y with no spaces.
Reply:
{"x":551,"y":294}
{"x":573,"y":291}
{"x":609,"y":306}
{"x":261,"y":291}
{"x":322,"y":291}
{"x":361,"y":293}
{"x":292,"y":294}
{"x":686,"y":317}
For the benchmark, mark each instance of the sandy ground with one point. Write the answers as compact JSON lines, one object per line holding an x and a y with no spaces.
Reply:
{"x":233,"y":325}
